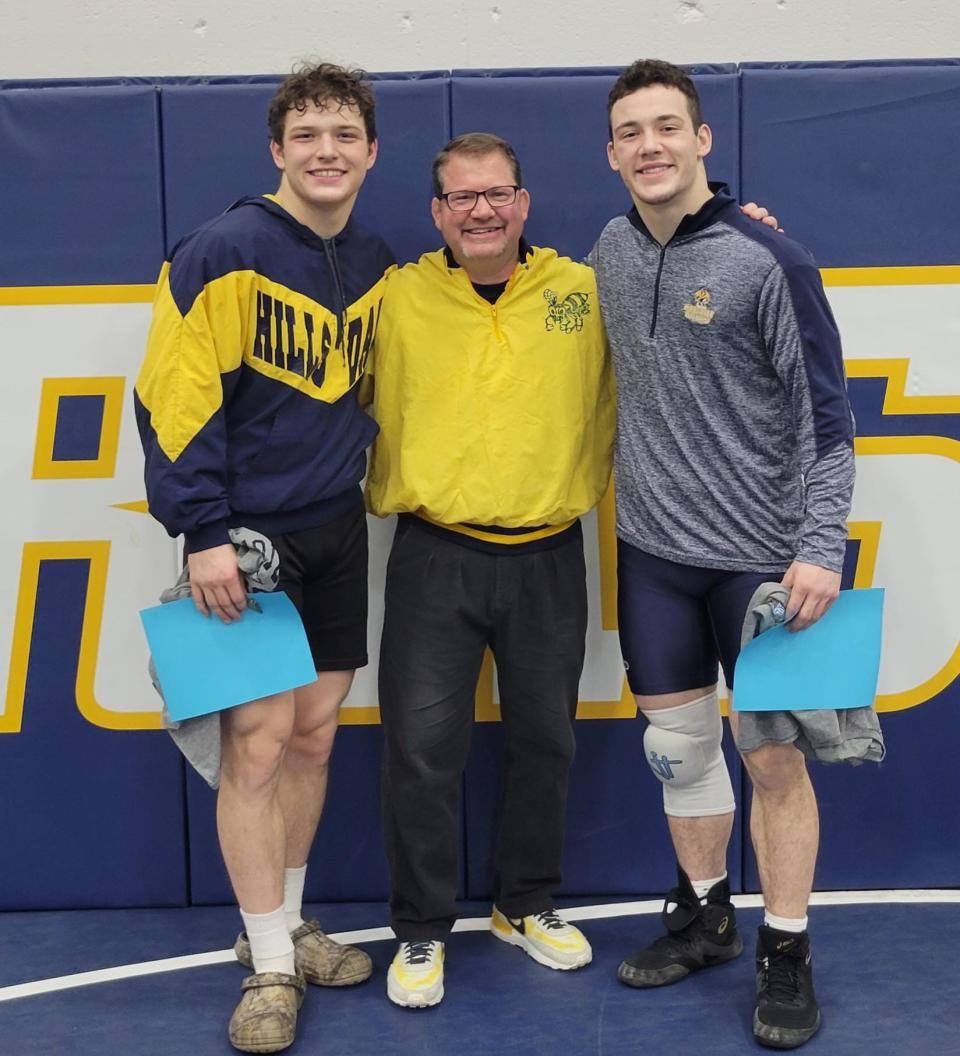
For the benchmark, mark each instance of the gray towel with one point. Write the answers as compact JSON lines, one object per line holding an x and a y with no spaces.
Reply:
{"x":842,"y":735}
{"x":199,"y":738}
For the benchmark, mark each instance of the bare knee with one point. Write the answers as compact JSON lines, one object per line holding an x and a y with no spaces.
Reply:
{"x":317,"y":716}
{"x":314,"y":743}
{"x":254,"y":742}
{"x":252,"y":763}
{"x":775,"y":769}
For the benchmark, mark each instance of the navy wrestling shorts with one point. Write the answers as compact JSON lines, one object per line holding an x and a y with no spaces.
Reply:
{"x":677,"y":622}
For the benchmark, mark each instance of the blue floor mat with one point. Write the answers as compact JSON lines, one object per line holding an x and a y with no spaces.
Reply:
{"x":883,"y":988}
{"x":62,"y":942}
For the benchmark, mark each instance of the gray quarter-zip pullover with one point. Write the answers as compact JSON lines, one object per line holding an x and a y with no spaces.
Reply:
{"x":734,"y":436}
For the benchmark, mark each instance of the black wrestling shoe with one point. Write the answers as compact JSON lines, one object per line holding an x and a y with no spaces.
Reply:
{"x":787,"y":1014}
{"x":698,"y":936}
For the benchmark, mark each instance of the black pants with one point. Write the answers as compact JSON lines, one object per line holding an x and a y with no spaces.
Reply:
{"x":445,"y":603}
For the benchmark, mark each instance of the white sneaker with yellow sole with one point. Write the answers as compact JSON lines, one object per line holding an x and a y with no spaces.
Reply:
{"x":415,"y":978}
{"x":546,"y":936}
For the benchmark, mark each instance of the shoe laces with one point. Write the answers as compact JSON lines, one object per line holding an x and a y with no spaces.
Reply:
{"x":419,"y":952}
{"x":550,"y":920}
{"x":781,"y":977}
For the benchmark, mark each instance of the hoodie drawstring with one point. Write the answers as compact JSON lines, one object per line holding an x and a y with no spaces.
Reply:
{"x":329,"y":246}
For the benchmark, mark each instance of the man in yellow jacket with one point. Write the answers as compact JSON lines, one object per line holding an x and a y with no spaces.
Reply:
{"x":494,"y":394}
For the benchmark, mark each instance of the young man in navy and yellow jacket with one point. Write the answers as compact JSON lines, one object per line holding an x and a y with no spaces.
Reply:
{"x":493,"y":390}
{"x":248,"y":412}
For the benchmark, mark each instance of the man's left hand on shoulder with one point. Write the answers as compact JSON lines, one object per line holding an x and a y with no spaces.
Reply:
{"x":812,"y":591}
{"x":757,"y":212}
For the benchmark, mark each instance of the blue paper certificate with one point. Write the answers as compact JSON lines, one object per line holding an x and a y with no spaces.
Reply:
{"x":205,"y":665}
{"x":833,"y":664}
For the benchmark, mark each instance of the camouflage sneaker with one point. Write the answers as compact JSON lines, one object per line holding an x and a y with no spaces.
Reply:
{"x":266,"y":1018}
{"x":321,"y":961}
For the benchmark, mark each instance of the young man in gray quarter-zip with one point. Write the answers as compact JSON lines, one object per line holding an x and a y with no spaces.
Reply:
{"x":734,"y":466}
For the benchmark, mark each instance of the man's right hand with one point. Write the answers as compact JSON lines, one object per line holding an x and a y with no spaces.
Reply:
{"x":216,"y":584}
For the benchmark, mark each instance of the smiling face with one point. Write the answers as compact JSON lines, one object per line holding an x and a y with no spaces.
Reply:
{"x":485,"y":241}
{"x":657,"y":151}
{"x":324,"y":158}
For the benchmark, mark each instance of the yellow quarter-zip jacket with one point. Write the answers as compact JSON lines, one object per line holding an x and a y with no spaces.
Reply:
{"x":492,"y":415}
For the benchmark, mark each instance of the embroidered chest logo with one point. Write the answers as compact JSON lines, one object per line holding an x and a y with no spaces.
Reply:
{"x":567,"y":314}
{"x":700,"y":311}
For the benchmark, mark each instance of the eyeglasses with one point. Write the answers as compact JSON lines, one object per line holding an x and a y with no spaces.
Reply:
{"x":497,"y":197}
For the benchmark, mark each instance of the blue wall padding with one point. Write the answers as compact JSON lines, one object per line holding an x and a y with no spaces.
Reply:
{"x":841,"y":153}
{"x":413,"y":123}
{"x":858,"y":162}
{"x":867,"y":396}
{"x":720,"y":102}
{"x":616,"y":840}
{"x":155,"y":82}
{"x":91,"y":817}
{"x":214,"y":150}
{"x":80,"y":198}
{"x":79,"y":424}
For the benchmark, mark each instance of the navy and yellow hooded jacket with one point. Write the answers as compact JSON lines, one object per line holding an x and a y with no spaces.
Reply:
{"x":247,"y":398}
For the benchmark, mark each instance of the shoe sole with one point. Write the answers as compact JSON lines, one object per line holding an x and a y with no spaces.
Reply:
{"x":643,"y":978}
{"x":263,"y":1046}
{"x":514,"y":938}
{"x":417,"y":999}
{"x":782,"y":1037}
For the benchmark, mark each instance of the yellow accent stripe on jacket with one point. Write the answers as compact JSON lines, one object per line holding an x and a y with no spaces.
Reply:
{"x":244,"y":317}
{"x":504,"y":540}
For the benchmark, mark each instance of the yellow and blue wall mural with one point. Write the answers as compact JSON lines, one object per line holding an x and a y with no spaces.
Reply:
{"x":100,"y":178}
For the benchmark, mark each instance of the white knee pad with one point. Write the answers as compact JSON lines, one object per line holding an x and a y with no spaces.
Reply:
{"x":682,"y":746}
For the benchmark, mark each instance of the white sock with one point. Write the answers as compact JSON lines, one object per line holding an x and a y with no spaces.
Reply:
{"x":270,"y":942}
{"x":293,"y":880}
{"x":701,"y":887}
{"x":795,"y":925}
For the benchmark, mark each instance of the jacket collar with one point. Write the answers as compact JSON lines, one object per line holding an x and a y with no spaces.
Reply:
{"x":707,"y":214}
{"x":269,"y":204}
{"x":525,"y":250}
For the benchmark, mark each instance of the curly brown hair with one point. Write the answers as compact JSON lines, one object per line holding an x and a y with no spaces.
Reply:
{"x":319,"y":84}
{"x":645,"y":73}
